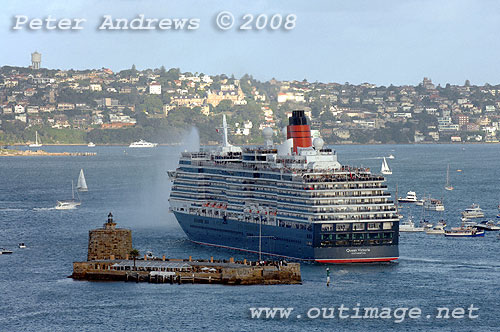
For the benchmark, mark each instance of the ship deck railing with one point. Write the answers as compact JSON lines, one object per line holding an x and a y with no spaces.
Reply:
{"x":350,"y":172}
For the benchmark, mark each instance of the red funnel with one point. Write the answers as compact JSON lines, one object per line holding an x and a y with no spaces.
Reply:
{"x":299,"y":130}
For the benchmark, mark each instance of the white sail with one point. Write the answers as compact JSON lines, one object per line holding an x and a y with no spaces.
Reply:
{"x":448,"y":185}
{"x":37,"y":144}
{"x":82,"y":184}
{"x":385,"y":167}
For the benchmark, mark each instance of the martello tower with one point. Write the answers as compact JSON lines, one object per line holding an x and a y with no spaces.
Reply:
{"x":109,"y":242}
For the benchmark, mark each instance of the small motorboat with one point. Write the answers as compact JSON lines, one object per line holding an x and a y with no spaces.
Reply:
{"x":91,"y":145}
{"x":391,"y":156}
{"x":149,"y":255}
{"x":4,"y":251}
{"x":434,"y":205}
{"x":438,"y":229}
{"x":488,"y":225}
{"x":409,"y":226}
{"x":21,"y":245}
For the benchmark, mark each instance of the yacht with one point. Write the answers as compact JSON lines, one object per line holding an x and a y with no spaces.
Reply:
{"x":142,"y":144}
{"x":434,"y":205}
{"x":91,"y":145}
{"x":81,"y":185}
{"x":488,"y":225}
{"x":69,"y":204}
{"x":4,"y":251}
{"x":385,"y":169}
{"x":411,"y":197}
{"x":448,"y":186}
{"x":474,"y":211}
{"x":37,"y":144}
{"x":409,"y":226}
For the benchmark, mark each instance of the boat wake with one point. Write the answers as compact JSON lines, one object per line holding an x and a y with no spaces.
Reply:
{"x":11,"y":210}
{"x":44,"y":209}
{"x":451,"y":263}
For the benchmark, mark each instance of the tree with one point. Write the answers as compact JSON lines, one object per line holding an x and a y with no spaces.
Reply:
{"x":134,"y":253}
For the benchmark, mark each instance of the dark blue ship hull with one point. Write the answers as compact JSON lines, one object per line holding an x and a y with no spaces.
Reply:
{"x":289,"y":243}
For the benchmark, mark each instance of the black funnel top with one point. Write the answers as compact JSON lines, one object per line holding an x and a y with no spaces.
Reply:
{"x":298,"y":118}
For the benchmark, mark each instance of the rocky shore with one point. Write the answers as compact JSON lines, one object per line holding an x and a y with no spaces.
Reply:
{"x":29,"y":153}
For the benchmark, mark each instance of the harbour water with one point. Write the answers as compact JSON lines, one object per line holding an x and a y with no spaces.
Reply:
{"x":432,"y":272}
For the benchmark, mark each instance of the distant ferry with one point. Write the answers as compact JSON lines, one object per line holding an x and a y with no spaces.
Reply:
{"x":464,"y":232}
{"x":291,"y":200}
{"x":143,"y":144}
{"x":474,"y":211}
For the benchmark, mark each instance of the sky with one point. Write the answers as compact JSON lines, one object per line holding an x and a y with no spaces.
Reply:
{"x":378,"y":41}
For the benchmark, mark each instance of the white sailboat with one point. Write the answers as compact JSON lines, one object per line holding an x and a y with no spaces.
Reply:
{"x":81,"y":185}
{"x":36,"y":144}
{"x":385,"y":168}
{"x":69,"y":204}
{"x":448,"y":185}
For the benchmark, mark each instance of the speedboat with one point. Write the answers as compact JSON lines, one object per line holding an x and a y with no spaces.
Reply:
{"x":488,"y":225}
{"x":474,"y":211}
{"x":143,"y":144}
{"x":67,"y":205}
{"x":21,"y":245}
{"x":411,"y":197}
{"x":91,"y":145}
{"x":4,"y":251}
{"x":409,"y":226}
{"x":434,"y":205}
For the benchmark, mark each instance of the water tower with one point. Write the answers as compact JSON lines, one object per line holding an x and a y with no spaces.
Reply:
{"x":36,"y":60}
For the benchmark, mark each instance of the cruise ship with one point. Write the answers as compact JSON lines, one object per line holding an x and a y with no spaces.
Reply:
{"x":292,"y":200}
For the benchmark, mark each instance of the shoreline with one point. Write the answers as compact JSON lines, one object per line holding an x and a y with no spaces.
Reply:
{"x":202,"y":144}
